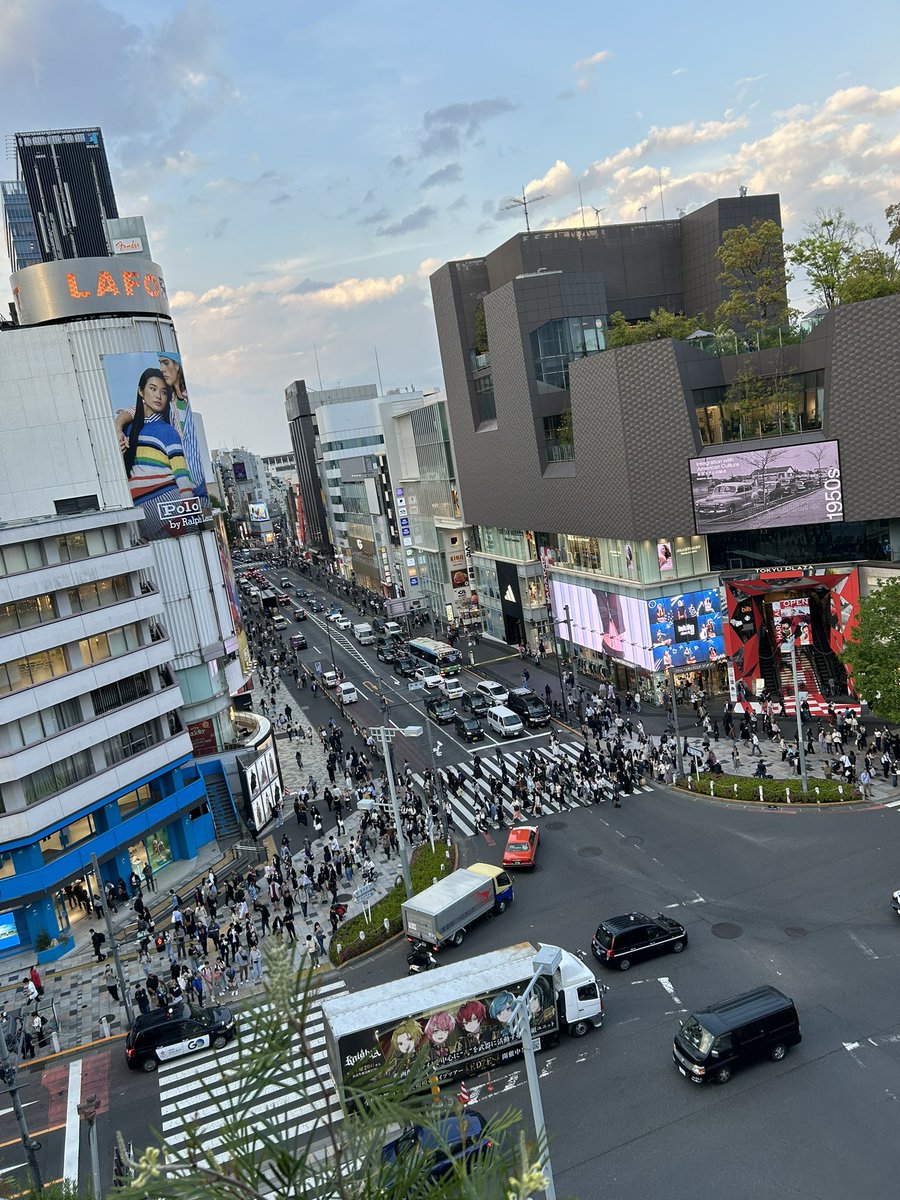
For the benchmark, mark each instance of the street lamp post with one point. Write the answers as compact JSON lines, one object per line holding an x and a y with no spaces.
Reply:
{"x":545,"y":962}
{"x":801,"y":750}
{"x":386,"y":734}
{"x":8,"y":1076}
{"x":113,"y":944}
{"x":679,"y":757}
{"x":88,"y":1112}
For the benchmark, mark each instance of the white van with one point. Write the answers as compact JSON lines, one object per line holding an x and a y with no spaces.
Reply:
{"x":347,"y":693}
{"x":364,"y":634}
{"x":392,"y":629}
{"x":278,"y":622}
{"x":504,"y":721}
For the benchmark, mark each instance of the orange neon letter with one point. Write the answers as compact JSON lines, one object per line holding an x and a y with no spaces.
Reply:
{"x":106,"y":284}
{"x":130,"y":280}
{"x":73,"y":288}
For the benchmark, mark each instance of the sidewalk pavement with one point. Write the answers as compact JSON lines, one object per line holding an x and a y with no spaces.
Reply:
{"x":76,"y":984}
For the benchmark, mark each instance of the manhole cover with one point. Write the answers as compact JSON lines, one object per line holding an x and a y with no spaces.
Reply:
{"x":344,"y":897}
{"x":591,"y":851}
{"x":795,"y":931}
{"x":725,"y":929}
{"x":553,"y":826}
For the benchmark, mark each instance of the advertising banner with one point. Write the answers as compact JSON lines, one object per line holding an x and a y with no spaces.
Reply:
{"x":686,"y":630}
{"x":763,"y":489}
{"x":607,"y":622}
{"x":261,"y":782}
{"x":158,"y":441}
{"x":791,"y":617}
{"x":258,"y":512}
{"x":450,"y":1042}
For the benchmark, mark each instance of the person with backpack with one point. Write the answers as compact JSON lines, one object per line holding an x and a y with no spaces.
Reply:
{"x":97,"y":940}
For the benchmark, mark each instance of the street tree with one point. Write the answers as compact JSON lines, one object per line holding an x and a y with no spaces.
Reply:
{"x":825,"y":253}
{"x":754,"y":275}
{"x":242,"y":1151}
{"x":871,"y":273}
{"x":872,"y":656}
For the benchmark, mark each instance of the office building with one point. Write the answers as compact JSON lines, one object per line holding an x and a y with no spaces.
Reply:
{"x":70,"y":191}
{"x":21,"y":235}
{"x":679,"y":499}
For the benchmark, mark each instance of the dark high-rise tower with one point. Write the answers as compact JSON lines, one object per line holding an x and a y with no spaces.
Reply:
{"x":70,"y":192}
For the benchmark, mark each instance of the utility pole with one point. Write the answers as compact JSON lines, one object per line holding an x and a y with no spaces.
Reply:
{"x":801,"y":750}
{"x":568,"y":621}
{"x":8,"y":1075}
{"x":111,"y":938}
{"x":679,"y":757}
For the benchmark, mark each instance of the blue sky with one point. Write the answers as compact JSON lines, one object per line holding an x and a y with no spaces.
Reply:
{"x":303,"y":167}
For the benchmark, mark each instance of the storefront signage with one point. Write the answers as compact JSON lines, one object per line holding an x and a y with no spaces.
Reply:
{"x":53,"y":291}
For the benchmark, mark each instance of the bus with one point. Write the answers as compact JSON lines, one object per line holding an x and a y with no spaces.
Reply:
{"x":439,"y":655}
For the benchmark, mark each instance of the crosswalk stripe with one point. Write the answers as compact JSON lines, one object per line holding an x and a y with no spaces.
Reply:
{"x":194,"y":1090}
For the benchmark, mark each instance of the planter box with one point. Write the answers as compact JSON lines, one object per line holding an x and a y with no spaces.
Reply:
{"x":55,"y":952}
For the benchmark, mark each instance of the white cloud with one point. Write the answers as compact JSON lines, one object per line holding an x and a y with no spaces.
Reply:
{"x":559,"y":180}
{"x":593,"y":60}
{"x":678,"y":71}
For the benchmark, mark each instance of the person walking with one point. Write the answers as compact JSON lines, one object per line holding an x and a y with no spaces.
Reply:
{"x":312,"y":952}
{"x":111,"y":983}
{"x":319,"y":935}
{"x":97,"y":940}
{"x":39,"y":986}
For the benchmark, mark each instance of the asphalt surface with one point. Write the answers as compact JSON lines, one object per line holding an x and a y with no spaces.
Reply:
{"x":794,"y":898}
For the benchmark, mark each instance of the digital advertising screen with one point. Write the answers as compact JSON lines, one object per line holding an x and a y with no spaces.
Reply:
{"x":240,"y":471}
{"x":764,"y":489}
{"x":9,"y":934}
{"x":604,"y":621}
{"x":258,"y":512}
{"x":686,"y":630}
{"x":158,"y":441}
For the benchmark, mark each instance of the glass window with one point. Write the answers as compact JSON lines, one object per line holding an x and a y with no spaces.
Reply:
{"x":122,"y":691}
{"x":108,"y":645}
{"x":72,"y":547}
{"x":23,"y":614}
{"x":36,"y":668}
{"x":26,"y":556}
{"x":555,"y":343}
{"x":484,"y":399}
{"x":558,"y":437}
{"x":49,"y":721}
{"x":131,"y":742}
{"x":132,"y":801}
{"x":57,"y":777}
{"x":64,"y":839}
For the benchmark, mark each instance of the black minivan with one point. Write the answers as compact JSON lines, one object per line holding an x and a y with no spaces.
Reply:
{"x":713,"y":1042}
{"x":165,"y":1033}
{"x":621,"y":941}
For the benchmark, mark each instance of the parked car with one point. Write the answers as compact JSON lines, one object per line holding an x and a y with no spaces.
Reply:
{"x":493,"y":692}
{"x":621,"y":941}
{"x":298,"y":641}
{"x":440,"y":710}
{"x":179,"y":1029}
{"x":451,"y":687}
{"x":330,"y":679}
{"x":521,"y":846}
{"x":475,"y":703}
{"x":428,"y":1156}
{"x":468,"y":728}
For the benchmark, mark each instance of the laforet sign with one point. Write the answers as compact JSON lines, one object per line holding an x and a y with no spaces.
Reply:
{"x":80,"y":287}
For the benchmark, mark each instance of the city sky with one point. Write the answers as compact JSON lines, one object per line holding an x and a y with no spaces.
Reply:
{"x":303,"y":168}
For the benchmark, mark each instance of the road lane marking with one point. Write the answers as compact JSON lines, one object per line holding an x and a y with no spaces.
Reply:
{"x":851,"y":1048}
{"x":73,"y":1123}
{"x":857,"y":941}
{"x":668,"y":987}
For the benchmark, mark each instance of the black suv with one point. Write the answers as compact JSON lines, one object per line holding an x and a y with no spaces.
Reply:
{"x":474,"y":703}
{"x":440,"y":710}
{"x":468,"y":728}
{"x":528,"y":706}
{"x":406,"y":666}
{"x":165,"y":1033}
{"x":621,"y":941}
{"x":386,"y":650}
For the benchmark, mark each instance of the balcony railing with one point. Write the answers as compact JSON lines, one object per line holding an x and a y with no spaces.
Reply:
{"x":749,"y":342}
{"x":559,"y":451}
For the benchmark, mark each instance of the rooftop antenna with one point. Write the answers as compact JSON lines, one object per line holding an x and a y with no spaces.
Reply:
{"x":378,"y":369}
{"x":522,"y":202}
{"x":597,"y":212}
{"x":742,"y":190}
{"x":581,"y":205}
{"x":643,"y":209}
{"x":661,"y":200}
{"x":318,"y":369}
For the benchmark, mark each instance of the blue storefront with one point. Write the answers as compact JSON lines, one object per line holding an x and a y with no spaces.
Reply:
{"x":158,"y":819}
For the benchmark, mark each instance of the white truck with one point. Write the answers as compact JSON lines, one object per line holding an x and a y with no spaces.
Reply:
{"x":444,"y":912}
{"x":457,"y":1020}
{"x":364,"y":633}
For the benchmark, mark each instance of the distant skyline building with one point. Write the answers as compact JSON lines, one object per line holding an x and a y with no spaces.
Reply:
{"x":21,"y":235}
{"x":69,"y":190}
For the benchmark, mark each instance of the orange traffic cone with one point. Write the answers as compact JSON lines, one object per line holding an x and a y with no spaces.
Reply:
{"x":490,"y":1083}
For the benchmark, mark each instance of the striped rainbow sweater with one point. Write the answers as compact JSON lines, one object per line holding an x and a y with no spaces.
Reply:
{"x":159,"y":464}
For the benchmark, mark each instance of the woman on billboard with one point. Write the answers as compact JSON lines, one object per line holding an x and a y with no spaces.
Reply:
{"x":154,"y":455}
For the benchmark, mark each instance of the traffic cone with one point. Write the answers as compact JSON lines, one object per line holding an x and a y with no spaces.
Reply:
{"x":490,"y":1083}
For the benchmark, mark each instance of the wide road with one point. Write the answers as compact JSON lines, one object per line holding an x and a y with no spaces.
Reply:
{"x":799,"y":900}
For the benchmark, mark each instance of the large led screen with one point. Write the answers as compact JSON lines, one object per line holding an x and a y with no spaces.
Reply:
{"x":604,"y":621}
{"x":762,"y":489}
{"x":158,"y":441}
{"x":686,"y":630}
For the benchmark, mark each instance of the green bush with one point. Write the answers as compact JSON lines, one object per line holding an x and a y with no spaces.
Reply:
{"x":426,"y":866}
{"x":821,"y":791}
{"x":42,"y":940}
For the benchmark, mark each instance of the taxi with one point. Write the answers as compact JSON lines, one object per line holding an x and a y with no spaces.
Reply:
{"x":521,"y":846}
